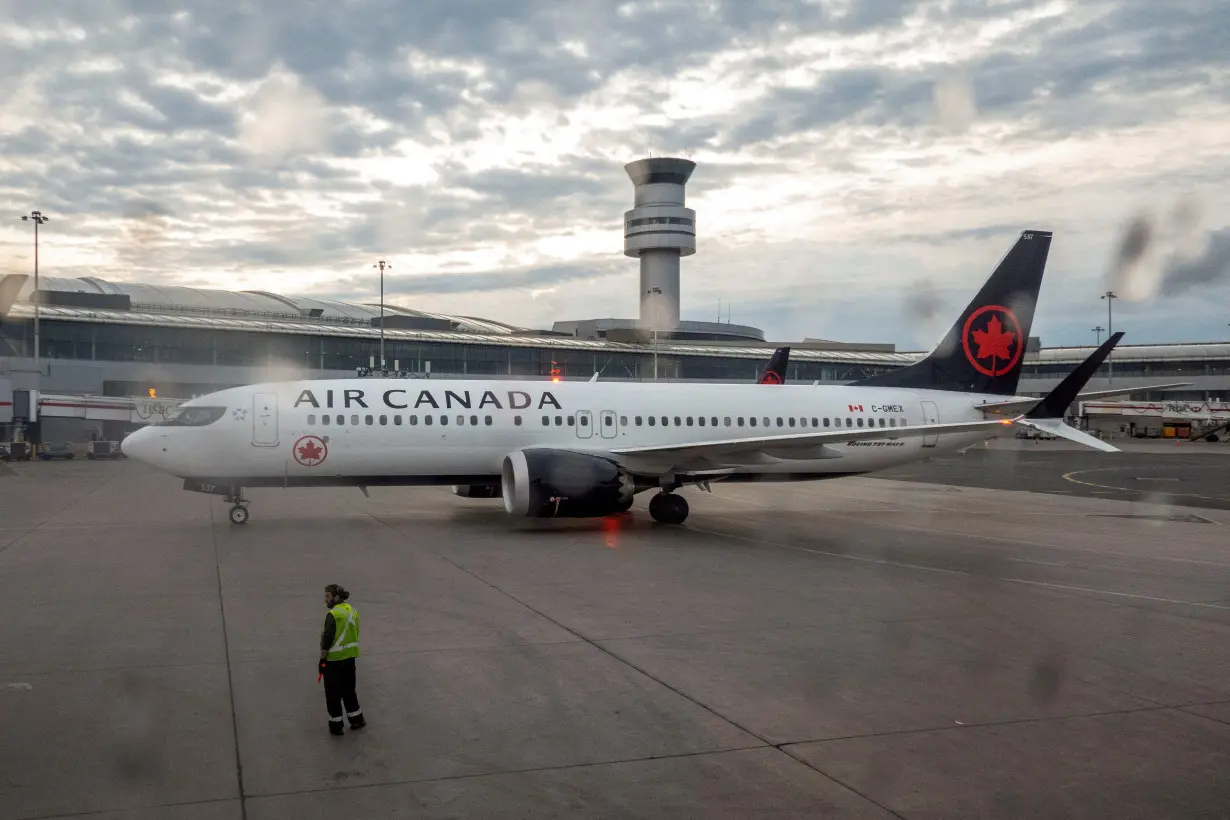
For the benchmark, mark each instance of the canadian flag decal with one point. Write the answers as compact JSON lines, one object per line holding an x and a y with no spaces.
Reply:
{"x":857,"y":407}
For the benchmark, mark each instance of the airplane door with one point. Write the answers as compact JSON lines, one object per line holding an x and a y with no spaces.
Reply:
{"x":607,"y":426}
{"x":585,"y":427}
{"x":930,"y":416}
{"x":265,"y":420}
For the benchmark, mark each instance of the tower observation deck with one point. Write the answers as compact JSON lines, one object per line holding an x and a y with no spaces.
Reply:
{"x":659,"y":230}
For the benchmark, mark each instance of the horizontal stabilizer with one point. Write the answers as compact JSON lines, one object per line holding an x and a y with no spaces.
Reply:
{"x":1024,"y":405}
{"x":1127,"y":391}
{"x":1057,"y":427}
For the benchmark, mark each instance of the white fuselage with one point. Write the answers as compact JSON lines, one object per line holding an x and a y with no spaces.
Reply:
{"x":442,"y":431}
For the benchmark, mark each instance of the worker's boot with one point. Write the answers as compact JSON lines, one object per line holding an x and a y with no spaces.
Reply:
{"x":357,"y":722}
{"x":336,"y":728}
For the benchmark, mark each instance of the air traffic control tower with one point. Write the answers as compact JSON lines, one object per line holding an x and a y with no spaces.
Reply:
{"x":659,"y":230}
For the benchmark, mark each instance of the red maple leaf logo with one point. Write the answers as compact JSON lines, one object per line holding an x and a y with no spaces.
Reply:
{"x":994,"y":341}
{"x":309,"y":453}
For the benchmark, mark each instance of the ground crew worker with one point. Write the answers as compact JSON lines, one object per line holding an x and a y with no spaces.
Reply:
{"x":339,"y":646}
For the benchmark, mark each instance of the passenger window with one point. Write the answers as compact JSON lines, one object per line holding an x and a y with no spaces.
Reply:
{"x":677,"y":422}
{"x":623,"y":421}
{"x":559,"y":421}
{"x":860,"y":422}
{"x":607,"y":421}
{"x":325,"y":419}
{"x":713,"y":421}
{"x":571,"y":420}
{"x":414,"y":420}
{"x":384,"y":421}
{"x":444,"y":420}
{"x":766,"y":421}
{"x":892,"y":422}
{"x":651,"y":421}
{"x":487,"y":420}
{"x":311,"y":420}
{"x":726,"y":421}
{"x":779,"y":421}
{"x":826,"y":421}
{"x":700,"y":420}
{"x":427,"y":420}
{"x":584,"y":421}
{"x":815,"y":422}
{"x":397,"y":421}
{"x":849,"y":422}
{"x":689,"y":421}
{"x":369,"y":421}
{"x":791,"y":421}
{"x":546,"y":421}
{"x":751,"y":421}
{"x":638,"y":421}
{"x":882,"y":422}
{"x":473,"y":421}
{"x":517,"y":421}
{"x":340,"y":419}
{"x":665,"y":421}
{"x":354,"y":421}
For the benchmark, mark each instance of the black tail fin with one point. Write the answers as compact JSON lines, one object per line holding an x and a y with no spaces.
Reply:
{"x":982,"y":353}
{"x":1060,"y":399}
{"x":775,"y":373}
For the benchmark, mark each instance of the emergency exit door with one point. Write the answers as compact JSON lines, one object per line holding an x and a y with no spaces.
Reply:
{"x":584,"y":427}
{"x":265,"y":420}
{"x":931,"y":415}
{"x":607,"y":424}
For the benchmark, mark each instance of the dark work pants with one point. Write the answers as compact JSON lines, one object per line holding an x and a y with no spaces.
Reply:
{"x":339,"y":690}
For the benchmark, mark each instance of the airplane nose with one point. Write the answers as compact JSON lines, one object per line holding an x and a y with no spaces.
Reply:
{"x":138,"y":444}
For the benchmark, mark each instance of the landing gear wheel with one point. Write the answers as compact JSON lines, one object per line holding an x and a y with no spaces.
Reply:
{"x":239,"y":514}
{"x":668,"y":508}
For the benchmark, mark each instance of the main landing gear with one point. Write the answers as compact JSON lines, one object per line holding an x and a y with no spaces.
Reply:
{"x":239,"y":510}
{"x":668,"y":508}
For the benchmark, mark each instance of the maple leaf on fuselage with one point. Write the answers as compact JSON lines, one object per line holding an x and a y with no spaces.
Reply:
{"x":994,"y":341}
{"x":310,"y":452}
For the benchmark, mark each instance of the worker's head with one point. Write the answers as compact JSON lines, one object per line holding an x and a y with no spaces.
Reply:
{"x":335,"y":594}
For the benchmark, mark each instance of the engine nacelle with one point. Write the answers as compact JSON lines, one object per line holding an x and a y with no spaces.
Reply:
{"x":541,"y":483}
{"x":477,"y":490}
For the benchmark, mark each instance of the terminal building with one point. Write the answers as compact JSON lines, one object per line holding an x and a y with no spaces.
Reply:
{"x":128,"y":342}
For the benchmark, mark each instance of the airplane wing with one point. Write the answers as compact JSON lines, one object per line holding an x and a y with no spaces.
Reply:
{"x":803,"y":441}
{"x":1022,"y":405}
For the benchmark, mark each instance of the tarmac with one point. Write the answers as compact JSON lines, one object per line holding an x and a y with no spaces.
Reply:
{"x":860,"y":648}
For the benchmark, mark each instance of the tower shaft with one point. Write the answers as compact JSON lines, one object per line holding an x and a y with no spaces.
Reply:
{"x":659,"y":230}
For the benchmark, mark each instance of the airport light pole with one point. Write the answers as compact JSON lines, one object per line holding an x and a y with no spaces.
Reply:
{"x":1110,"y":296}
{"x":382,"y":265}
{"x":37,"y":218}
{"x":1098,"y":330}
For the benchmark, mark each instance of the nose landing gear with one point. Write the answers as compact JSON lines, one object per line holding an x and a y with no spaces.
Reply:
{"x":668,"y":508}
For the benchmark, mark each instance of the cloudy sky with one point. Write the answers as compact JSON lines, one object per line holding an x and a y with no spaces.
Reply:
{"x":862,"y":164}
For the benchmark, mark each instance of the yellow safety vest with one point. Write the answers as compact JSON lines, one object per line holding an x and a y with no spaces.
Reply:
{"x":346,"y":635}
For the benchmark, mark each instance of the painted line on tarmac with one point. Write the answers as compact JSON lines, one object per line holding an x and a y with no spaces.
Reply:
{"x":887,"y":562}
{"x":1117,"y":594}
{"x":1002,"y":539}
{"x":1068,"y":477}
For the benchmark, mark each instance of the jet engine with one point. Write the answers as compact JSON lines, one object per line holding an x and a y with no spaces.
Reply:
{"x":477,"y":490}
{"x":542,"y":483}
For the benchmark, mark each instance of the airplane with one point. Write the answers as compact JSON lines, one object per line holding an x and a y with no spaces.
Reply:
{"x":585,"y":449}
{"x":774,"y":373}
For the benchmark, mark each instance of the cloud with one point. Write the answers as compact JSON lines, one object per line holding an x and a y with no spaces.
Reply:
{"x":866,"y":158}
{"x":283,"y":118}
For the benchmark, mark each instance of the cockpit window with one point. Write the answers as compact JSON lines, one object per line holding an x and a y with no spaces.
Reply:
{"x":193,"y":416}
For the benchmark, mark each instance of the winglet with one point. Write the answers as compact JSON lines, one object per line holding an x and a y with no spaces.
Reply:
{"x":1060,"y":399}
{"x":1047,"y":415}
